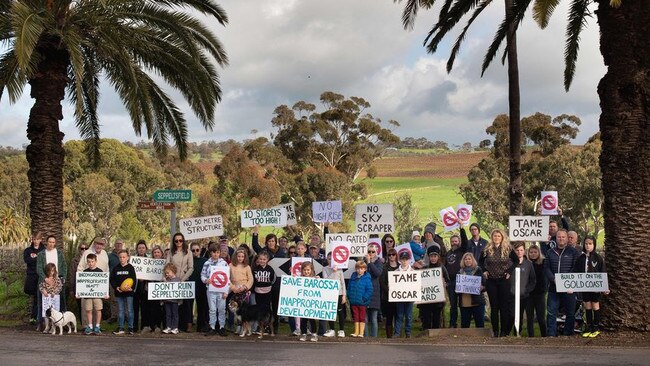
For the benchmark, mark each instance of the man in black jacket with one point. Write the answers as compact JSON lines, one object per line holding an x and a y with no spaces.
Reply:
{"x":560,"y":259}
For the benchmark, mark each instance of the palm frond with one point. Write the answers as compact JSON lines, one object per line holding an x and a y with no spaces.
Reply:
{"x":454,"y":51}
{"x":446,"y":23}
{"x":11,"y":77}
{"x":577,"y":22}
{"x":28,"y":24}
{"x":517,"y":16}
{"x":542,"y":11}
{"x":206,"y":7}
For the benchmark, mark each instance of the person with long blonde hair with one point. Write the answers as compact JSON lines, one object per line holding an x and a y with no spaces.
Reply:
{"x":497,"y":261}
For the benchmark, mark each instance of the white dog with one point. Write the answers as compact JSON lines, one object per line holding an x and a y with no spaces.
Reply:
{"x":59,"y":320}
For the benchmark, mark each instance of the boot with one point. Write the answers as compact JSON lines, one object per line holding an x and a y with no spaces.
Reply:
{"x":362,"y":328}
{"x":356,"y":330}
{"x":389,"y":330}
{"x":189,"y":328}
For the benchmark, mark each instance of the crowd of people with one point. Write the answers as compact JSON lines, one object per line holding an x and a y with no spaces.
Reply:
{"x":364,"y":294}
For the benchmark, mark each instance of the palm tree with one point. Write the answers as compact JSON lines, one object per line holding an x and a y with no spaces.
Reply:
{"x":450,"y":14}
{"x":67,"y":46}
{"x":624,"y":94}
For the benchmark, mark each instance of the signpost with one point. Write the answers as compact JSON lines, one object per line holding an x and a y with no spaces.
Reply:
{"x":171,"y":196}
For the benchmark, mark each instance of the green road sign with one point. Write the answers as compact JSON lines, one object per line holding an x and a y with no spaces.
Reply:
{"x":173,"y":195}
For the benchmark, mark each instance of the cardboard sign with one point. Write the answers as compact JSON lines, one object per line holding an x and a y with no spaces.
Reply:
{"x":405,"y":248}
{"x":308,"y":297}
{"x":201,"y":227}
{"x":464,"y":214}
{"x":404,"y":286}
{"x":528,"y":228}
{"x":340,"y":254}
{"x":582,"y":282}
{"x":148,"y":268}
{"x":219,"y":280}
{"x":433,"y":286}
{"x":449,"y":218}
{"x":296,"y":263}
{"x":171,"y":290}
{"x":275,"y":216}
{"x":549,"y":203}
{"x":327,"y":211}
{"x":374,"y":219}
{"x":92,"y":285}
{"x":53,"y":302}
{"x":375,"y":243}
{"x":358,"y":242}
{"x":466,"y":284}
{"x":291,"y":213}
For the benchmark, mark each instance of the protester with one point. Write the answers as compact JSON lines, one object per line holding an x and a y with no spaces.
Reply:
{"x":199,"y":289}
{"x":155,"y":306}
{"x":471,"y":305}
{"x":171,"y":306}
{"x":241,"y":277}
{"x":416,"y":249}
{"x":404,"y":310}
{"x":31,"y":275}
{"x":359,"y":293}
{"x":526,"y":284}
{"x":270,"y":245}
{"x":113,"y":261}
{"x":92,"y":305}
{"x":536,"y":306}
{"x":573,"y":240}
{"x":181,"y":257}
{"x":432,"y":312}
{"x":432,"y":239}
{"x":375,"y":267}
{"x":497,"y":261}
{"x":388,"y":309}
{"x":387,"y":243}
{"x":55,"y":256}
{"x":216,"y":300}
{"x":97,"y":248}
{"x":552,"y":232}
{"x":560,"y":259}
{"x":333,"y":273}
{"x":51,"y":286}
{"x":263,"y":279}
{"x":307,"y":270}
{"x":72,"y":276}
{"x":475,"y":244}
{"x":140,"y":302}
{"x":452,"y":264}
{"x":122,"y":279}
{"x":590,"y":261}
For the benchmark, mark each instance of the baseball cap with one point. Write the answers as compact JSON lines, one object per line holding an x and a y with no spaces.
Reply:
{"x":404,"y":255}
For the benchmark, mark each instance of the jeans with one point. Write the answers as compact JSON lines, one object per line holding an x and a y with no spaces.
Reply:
{"x":536,"y":308}
{"x":554,"y":301}
{"x":171,"y":314}
{"x":371,"y":322}
{"x":404,"y":315}
{"x":453,"y":304}
{"x":476,"y":312}
{"x":217,"y":304}
{"x":122,"y":302}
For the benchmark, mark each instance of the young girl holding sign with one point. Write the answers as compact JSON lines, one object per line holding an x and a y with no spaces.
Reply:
{"x":307,"y":270}
{"x":171,"y":306}
{"x":590,"y":261}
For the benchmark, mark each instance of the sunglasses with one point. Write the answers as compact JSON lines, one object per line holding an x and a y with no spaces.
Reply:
{"x":372,"y":251}
{"x":196,"y":250}
{"x":83,"y":248}
{"x":178,"y":240}
{"x":392,"y":254}
{"x":390,"y":241}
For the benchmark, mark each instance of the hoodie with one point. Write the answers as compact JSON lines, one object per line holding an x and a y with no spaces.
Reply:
{"x":436,"y":241}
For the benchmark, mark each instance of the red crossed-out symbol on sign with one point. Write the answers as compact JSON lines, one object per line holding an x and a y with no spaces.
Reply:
{"x":548,"y":202}
{"x":340,"y":254}
{"x":219,"y":279}
{"x":296,"y":268}
{"x":449,"y":219}
{"x":403,"y":250}
{"x":463,"y":214}
{"x":376,"y":247}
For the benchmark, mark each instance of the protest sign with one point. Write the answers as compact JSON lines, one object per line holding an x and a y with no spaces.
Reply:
{"x":296,"y":263}
{"x":308,"y":297}
{"x":549,"y":203}
{"x":340,"y":254}
{"x":404,"y":286}
{"x":201,"y":227}
{"x":282,"y":266}
{"x":405,"y":248}
{"x":219,"y":279}
{"x":449,"y":218}
{"x":376,"y":244}
{"x":373,"y":218}
{"x":358,"y":242}
{"x":433,"y":287}
{"x":92,"y":285}
{"x":171,"y":290}
{"x":528,"y":228}
{"x":53,"y":302}
{"x":464,"y":214}
{"x":327,"y":211}
{"x":582,"y":282}
{"x":291,"y":213}
{"x":276,"y":216}
{"x":148,"y":268}
{"x":466,"y":284}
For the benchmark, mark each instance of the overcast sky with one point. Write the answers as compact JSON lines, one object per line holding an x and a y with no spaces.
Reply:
{"x":283,"y":51}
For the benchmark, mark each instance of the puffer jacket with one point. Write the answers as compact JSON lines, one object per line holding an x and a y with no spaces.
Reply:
{"x":360,"y":289}
{"x":559,"y":261}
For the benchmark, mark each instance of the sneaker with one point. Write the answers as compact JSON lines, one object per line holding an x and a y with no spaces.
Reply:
{"x":131,"y":332}
{"x":88,"y":330}
{"x":341,"y":334}
{"x":354,"y":335}
{"x":97,"y":330}
{"x":119,"y":331}
{"x":314,"y":338}
{"x":303,"y":338}
{"x":296,"y":333}
{"x":146,"y":330}
{"x":586,"y":334}
{"x":308,"y":332}
{"x":594,"y":334}
{"x":222,"y":332}
{"x":32,"y":321}
{"x":174,"y":331}
{"x":167,"y":330}
{"x":329,"y":333}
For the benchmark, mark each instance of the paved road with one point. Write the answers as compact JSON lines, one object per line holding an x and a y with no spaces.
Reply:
{"x":30,"y":348}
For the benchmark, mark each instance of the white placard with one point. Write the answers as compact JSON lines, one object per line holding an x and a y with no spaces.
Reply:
{"x":466,"y":284}
{"x":404,"y":286}
{"x":296,"y":262}
{"x":464,"y":214}
{"x":449,"y":218}
{"x":92,"y":285}
{"x":405,"y":248}
{"x":327,"y":211}
{"x":291,"y":213}
{"x":374,"y":218}
{"x":308,"y":297}
{"x":358,"y":242}
{"x":582,"y":282}
{"x":433,"y":286}
{"x":219,"y":280}
{"x":201,"y":227}
{"x":340,"y":254}
{"x":528,"y":228}
{"x":171,"y":290}
{"x":275,"y":216}
{"x":549,"y":202}
{"x":53,"y":302}
{"x":281,"y":267}
{"x":149,"y":269}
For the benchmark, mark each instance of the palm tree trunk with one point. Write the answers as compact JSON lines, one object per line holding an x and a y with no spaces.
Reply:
{"x":625,"y":160}
{"x":45,"y":152}
{"x":515,"y":189}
